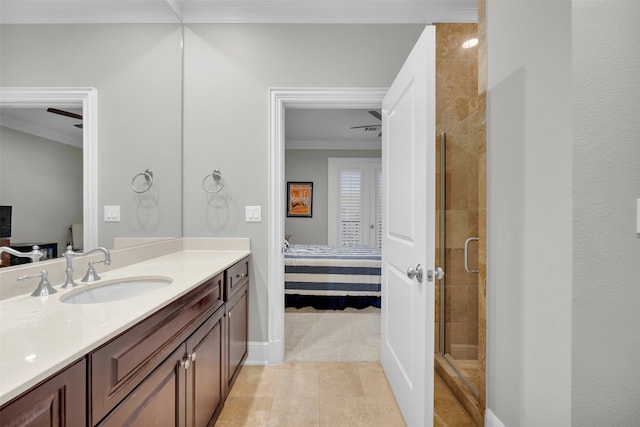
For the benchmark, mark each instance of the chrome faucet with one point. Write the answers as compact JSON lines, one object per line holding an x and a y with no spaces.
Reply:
{"x":44,"y":287}
{"x":35,"y":254}
{"x":69,"y":254}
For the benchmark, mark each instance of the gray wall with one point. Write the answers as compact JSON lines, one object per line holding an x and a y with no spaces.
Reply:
{"x":228,"y":72}
{"x":529,"y":150}
{"x":137,"y":72}
{"x":312,"y":165}
{"x":563,"y":176}
{"x":50,"y":173}
{"x":606,"y":184}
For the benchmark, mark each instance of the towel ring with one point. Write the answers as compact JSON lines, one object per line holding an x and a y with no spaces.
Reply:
{"x":217,"y":179}
{"x":142,"y":186}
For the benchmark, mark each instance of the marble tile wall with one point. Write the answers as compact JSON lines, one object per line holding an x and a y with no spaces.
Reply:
{"x":461,"y":113}
{"x":456,"y":114}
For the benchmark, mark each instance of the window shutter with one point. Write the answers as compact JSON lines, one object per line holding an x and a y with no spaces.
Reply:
{"x":350,"y":207}
{"x":379,"y":182}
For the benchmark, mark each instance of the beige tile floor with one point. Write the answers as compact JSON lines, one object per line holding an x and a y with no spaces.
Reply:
{"x":336,"y":394}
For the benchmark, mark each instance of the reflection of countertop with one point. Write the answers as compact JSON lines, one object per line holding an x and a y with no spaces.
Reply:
{"x":39,"y":337}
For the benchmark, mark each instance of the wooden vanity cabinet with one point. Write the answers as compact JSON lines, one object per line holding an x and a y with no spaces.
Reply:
{"x":236,"y":307}
{"x":146,"y":370}
{"x":173,"y":368}
{"x":58,"y":401}
{"x":185,"y":390}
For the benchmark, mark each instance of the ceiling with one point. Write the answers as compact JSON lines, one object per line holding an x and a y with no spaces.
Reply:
{"x":331,"y":129}
{"x":39,"y":122}
{"x":237,"y":11}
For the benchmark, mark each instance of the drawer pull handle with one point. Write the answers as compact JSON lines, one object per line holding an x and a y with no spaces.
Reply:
{"x":241,"y":275}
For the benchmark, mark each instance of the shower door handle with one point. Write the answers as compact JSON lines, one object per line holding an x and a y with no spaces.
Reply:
{"x":466,"y":254}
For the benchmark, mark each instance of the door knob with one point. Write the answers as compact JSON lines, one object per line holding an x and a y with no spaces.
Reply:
{"x":415,"y":273}
{"x":435,"y":274}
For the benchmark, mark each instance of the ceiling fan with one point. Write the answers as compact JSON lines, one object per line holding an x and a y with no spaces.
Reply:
{"x":67,"y":114}
{"x":369,"y":128}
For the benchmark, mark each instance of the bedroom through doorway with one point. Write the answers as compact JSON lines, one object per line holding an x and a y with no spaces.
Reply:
{"x":332,"y":231}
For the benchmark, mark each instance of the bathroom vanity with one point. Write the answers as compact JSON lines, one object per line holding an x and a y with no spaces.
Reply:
{"x":174,"y":365}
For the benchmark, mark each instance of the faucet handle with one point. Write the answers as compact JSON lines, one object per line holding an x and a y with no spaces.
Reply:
{"x":44,"y":287}
{"x":91,"y":275}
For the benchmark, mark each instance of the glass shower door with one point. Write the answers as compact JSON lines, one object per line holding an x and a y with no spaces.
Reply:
{"x":459,"y":250}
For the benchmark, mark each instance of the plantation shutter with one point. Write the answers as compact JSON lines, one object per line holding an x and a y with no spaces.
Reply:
{"x":355,"y":201}
{"x":351,"y":209}
{"x":378,"y":225}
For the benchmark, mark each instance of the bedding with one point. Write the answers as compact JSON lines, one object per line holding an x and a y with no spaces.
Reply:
{"x":332,"y":271}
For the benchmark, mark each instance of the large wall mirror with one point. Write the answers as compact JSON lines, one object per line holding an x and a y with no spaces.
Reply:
{"x":48,"y":166}
{"x":125,"y":81}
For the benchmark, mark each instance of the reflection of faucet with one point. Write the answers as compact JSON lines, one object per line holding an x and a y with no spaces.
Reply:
{"x":44,"y":287}
{"x":35,"y":254}
{"x":69,"y":254}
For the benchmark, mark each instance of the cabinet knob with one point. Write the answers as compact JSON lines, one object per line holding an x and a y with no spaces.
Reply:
{"x":241,"y":275}
{"x":186,"y":363}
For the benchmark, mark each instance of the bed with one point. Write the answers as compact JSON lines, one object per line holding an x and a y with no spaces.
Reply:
{"x":331,"y":277}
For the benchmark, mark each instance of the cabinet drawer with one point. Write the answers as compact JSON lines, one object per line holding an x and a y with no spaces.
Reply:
{"x":236,"y":276}
{"x":116,"y":368}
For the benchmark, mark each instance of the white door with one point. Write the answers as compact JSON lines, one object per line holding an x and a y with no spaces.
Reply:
{"x":408,"y":152}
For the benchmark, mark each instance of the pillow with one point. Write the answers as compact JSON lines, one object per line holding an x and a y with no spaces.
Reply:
{"x":285,"y":245}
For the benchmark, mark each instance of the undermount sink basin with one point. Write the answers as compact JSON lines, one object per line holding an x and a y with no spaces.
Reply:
{"x":114,"y":290}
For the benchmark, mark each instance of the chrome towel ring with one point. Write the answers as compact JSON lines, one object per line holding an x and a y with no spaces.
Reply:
{"x":217,"y":182}
{"x":142,"y":186}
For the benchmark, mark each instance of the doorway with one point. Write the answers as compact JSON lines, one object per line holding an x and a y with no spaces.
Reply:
{"x":280,"y":100}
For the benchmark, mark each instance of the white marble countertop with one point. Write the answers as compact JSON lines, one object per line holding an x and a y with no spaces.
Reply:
{"x":38,"y":337}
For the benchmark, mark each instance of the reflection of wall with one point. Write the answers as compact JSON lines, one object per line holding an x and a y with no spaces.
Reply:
{"x":42,"y":180}
{"x":137,"y":72}
{"x":311,"y":165}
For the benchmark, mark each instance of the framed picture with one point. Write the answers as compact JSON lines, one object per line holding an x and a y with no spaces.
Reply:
{"x":300,"y":199}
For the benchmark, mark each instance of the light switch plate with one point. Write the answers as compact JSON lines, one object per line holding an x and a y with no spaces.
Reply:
{"x":253,"y":213}
{"x":111,"y":213}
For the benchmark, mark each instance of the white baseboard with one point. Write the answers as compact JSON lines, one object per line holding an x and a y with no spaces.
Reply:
{"x":490,"y":419}
{"x":264,"y":353}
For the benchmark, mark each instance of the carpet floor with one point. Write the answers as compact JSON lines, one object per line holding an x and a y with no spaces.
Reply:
{"x":332,"y":336}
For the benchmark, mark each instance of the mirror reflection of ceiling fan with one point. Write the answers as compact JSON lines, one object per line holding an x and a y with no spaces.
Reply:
{"x":375,"y":127}
{"x":67,"y":114}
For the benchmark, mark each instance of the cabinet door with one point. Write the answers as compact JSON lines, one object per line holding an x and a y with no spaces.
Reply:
{"x":204,"y":376}
{"x":157,"y":401}
{"x":237,"y":333}
{"x":59,"y":401}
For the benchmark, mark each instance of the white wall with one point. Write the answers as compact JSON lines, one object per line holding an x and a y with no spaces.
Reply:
{"x":563,"y":324}
{"x":606,"y":248}
{"x":530,"y":212}
{"x":228,"y":72}
{"x":137,"y":72}
{"x":312,"y":165}
{"x":42,"y":180}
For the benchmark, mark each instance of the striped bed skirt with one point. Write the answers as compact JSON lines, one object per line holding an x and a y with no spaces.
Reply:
{"x":322,"y":270}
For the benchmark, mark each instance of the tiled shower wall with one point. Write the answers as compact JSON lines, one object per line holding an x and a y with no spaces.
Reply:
{"x":458,"y":114}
